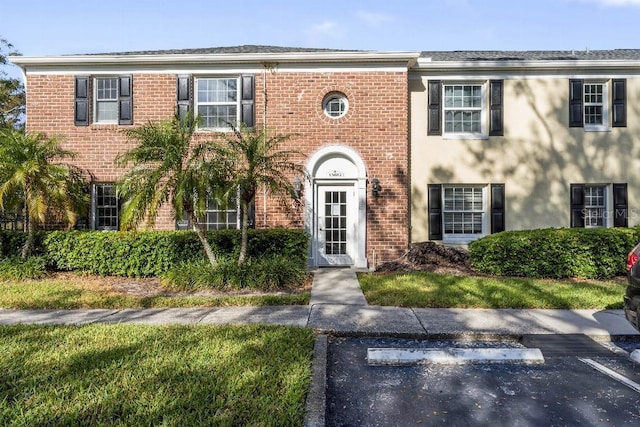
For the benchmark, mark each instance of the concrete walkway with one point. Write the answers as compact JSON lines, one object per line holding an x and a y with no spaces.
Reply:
{"x":336,"y":286}
{"x":339,"y":307}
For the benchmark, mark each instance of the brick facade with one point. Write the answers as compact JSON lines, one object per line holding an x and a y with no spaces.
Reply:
{"x":376,"y":127}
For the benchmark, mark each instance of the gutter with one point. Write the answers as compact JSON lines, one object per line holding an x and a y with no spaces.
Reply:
{"x":410,"y":58}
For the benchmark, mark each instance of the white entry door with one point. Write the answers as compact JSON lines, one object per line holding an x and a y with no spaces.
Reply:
{"x":336,"y":213}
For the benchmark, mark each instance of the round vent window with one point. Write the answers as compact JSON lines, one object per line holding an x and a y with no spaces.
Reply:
{"x":335,"y":105}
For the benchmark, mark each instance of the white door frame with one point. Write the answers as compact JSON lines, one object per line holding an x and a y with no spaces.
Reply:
{"x":337,"y":165}
{"x":341,"y":225}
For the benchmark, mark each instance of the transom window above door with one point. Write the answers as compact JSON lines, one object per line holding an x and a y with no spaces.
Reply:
{"x":217,"y":102}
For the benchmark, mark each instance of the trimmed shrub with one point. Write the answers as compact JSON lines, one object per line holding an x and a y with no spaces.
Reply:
{"x":152,"y":253}
{"x":16,"y":268}
{"x":11,"y":243}
{"x":555,"y":253}
{"x":265,"y":274}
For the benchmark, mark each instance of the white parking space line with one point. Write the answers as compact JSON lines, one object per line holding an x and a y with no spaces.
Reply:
{"x":453,"y":356}
{"x":613,"y":374}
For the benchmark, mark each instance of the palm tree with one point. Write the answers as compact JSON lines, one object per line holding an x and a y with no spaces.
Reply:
{"x":255,"y":161}
{"x":31,"y":174}
{"x":165,"y":167}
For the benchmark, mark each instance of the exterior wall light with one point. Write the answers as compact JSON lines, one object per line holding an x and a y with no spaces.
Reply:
{"x":297,"y":187}
{"x":375,"y":187}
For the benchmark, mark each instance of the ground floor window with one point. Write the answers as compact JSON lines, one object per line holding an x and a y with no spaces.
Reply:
{"x":221,"y":217}
{"x":12,"y":221}
{"x":599,"y":205}
{"x":105,"y":210}
{"x":595,"y":204}
{"x":218,"y":216}
{"x":463,"y":210}
{"x":462,"y":213}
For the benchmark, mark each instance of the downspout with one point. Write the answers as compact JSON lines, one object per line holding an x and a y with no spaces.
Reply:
{"x":271,"y":67}
{"x":264,"y":135}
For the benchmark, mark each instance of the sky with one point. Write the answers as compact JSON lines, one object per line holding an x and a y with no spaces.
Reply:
{"x":56,"y":27}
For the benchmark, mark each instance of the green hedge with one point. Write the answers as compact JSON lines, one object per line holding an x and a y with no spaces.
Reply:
{"x":151,"y":253}
{"x":11,"y":243}
{"x":557,"y":253}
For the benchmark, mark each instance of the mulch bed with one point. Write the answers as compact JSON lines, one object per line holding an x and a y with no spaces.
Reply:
{"x":433,"y":257}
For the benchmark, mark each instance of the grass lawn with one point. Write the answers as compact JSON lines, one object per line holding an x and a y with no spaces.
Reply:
{"x":70,"y":293}
{"x":149,"y":375}
{"x":423,"y":289}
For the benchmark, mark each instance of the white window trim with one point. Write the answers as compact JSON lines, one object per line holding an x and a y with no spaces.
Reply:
{"x":466,"y":238}
{"x":95,"y":100}
{"x":228,"y":210}
{"x":609,"y":212}
{"x":483,"y":134}
{"x":606,"y":107}
{"x":237,"y":103}
{"x":94,"y":206}
{"x":335,"y":96}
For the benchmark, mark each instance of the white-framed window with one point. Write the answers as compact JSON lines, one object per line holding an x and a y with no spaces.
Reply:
{"x":106,"y":96}
{"x":216,"y":216}
{"x":596,"y":113}
{"x":595,"y":206}
{"x":463,"y":109}
{"x":464,"y":212}
{"x":105,"y":209}
{"x":335,"y":105}
{"x":222,"y":217}
{"x":217,"y":102}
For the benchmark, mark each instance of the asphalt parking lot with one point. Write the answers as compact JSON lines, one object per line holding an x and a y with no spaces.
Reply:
{"x":567,"y":389}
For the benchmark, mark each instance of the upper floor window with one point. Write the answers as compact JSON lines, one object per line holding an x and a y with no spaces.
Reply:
{"x":106,"y":100}
{"x":465,"y":110}
{"x":217,"y":102}
{"x":463,"y":106}
{"x":597,"y":105}
{"x":111,"y":100}
{"x":335,"y":105}
{"x":596,"y":112}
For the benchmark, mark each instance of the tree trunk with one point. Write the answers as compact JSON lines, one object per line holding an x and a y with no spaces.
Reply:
{"x":245,"y":234}
{"x":203,"y":239}
{"x":27,"y":248}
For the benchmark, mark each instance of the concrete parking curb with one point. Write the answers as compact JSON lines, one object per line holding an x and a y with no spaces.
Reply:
{"x":316,"y":404}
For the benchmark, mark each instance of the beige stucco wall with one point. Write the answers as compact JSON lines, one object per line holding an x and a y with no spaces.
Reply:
{"x":537,"y":158}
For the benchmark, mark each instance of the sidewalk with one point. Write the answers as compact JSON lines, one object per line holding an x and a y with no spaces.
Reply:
{"x":339,"y":307}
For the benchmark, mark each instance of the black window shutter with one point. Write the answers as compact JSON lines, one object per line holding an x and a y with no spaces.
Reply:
{"x":497,"y":208}
{"x":576,"y":108}
{"x":496,"y":110}
{"x":435,"y":108}
{"x":577,"y":205}
{"x":620,"y":206}
{"x":81,"y":113}
{"x":248,"y":101}
{"x":435,"y":211}
{"x":183,"y":96}
{"x":619,"y":102}
{"x":125,"y":100}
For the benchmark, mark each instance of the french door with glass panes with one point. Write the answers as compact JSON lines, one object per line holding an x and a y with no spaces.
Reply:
{"x":336,"y":212}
